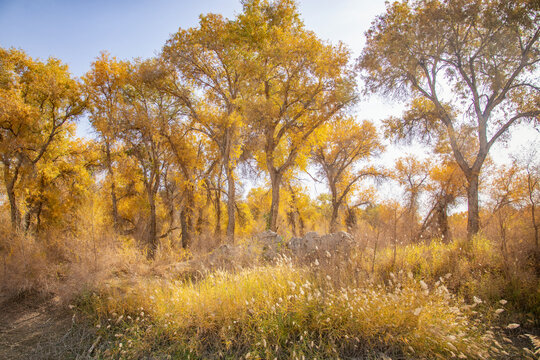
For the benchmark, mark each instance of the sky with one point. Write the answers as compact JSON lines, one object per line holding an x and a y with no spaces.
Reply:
{"x":76,"y":31}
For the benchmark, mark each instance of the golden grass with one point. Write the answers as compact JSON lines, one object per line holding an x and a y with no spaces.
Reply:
{"x":282,"y":311}
{"x":434,"y":301}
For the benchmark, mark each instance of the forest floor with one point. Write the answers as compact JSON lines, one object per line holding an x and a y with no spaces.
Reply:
{"x":39,"y":327}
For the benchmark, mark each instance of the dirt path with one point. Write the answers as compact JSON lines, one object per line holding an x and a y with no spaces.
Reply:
{"x":37,"y":328}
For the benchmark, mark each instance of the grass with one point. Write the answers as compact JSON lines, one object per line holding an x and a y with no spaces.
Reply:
{"x":284,"y":311}
{"x":435,"y":301}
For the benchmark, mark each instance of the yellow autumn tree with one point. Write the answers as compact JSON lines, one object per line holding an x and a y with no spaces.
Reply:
{"x":347,"y":145}
{"x":38,"y":103}
{"x":298,"y":82}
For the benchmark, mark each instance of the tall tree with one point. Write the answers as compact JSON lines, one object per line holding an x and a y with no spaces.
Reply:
{"x":209,"y":69}
{"x":145,"y":110}
{"x":347,"y":144}
{"x":473,"y":64}
{"x":39,"y":102}
{"x":103,"y":86}
{"x":298,"y":83}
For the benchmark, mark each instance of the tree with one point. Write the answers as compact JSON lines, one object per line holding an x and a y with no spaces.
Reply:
{"x":39,"y":102}
{"x":59,"y":186}
{"x":444,"y":187}
{"x":212,"y":60}
{"x":412,"y":174}
{"x":505,"y":197}
{"x":468,"y":65}
{"x":529,"y":179}
{"x":347,"y":144}
{"x":194,"y":162}
{"x":103,"y":86}
{"x":144,"y":112}
{"x":297,"y":83}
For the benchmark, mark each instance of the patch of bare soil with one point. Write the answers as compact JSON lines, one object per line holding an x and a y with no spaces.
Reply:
{"x":33,"y":326}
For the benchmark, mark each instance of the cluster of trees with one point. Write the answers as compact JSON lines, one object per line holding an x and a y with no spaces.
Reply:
{"x":179,"y":136}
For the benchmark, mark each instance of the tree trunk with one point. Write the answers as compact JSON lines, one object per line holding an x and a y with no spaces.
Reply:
{"x":201,"y":220}
{"x":28,"y":219}
{"x":350,"y":220}
{"x":217,"y":205}
{"x":375,"y":250}
{"x":291,"y":218}
{"x":217,"y":229}
{"x":533,"y":219}
{"x":275,"y":178}
{"x":186,"y":220}
{"x":114,"y":199}
{"x":473,"y":216}
{"x":334,"y":217}
{"x":443,"y":223}
{"x":301,"y":225}
{"x":231,"y":194}
{"x":335,"y":204}
{"x":38,"y":217}
{"x":15,"y":213}
{"x":152,"y":232}
{"x":394,"y":239}
{"x":184,"y":226}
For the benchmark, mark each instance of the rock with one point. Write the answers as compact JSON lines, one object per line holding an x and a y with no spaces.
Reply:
{"x":340,"y":241}
{"x":271,"y":244}
{"x":305,"y":245}
{"x":312,"y":244}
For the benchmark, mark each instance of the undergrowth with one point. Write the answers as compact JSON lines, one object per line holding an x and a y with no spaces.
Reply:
{"x":427,"y":301}
{"x":288,"y":311}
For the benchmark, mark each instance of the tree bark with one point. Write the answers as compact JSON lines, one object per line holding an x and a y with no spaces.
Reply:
{"x":275,"y":179}
{"x":533,"y":208}
{"x":334,"y":217}
{"x":114,"y":200}
{"x":9,"y":182}
{"x":350,"y":219}
{"x":442,"y":222}
{"x":186,"y":219}
{"x":335,"y":204}
{"x":28,"y":219}
{"x":473,"y":218}
{"x":152,"y":232}
{"x":38,"y":217}
{"x":14,"y":210}
{"x":217,"y":204}
{"x":535,"y":225}
{"x":231,"y":194}
{"x":217,"y":229}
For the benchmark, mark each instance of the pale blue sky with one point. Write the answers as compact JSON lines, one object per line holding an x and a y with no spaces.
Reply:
{"x":76,"y":31}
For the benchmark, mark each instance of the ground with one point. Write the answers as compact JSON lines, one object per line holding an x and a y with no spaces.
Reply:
{"x":34,"y":326}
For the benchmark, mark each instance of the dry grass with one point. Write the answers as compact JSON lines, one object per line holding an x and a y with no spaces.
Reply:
{"x":283,"y":311}
{"x":330,"y":308}
{"x":434,"y":301}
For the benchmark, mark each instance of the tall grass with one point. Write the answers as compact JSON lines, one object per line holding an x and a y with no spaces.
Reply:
{"x":284,"y":311}
{"x":432,"y":300}
{"x":475,"y":268}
